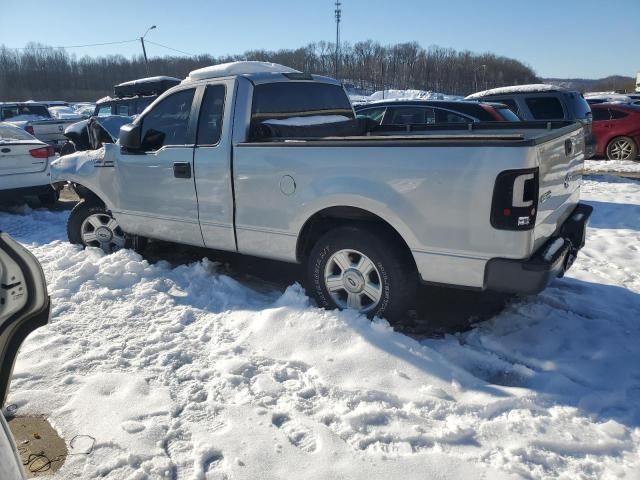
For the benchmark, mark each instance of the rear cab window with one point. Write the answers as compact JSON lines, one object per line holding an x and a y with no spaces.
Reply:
{"x":545,"y":108}
{"x":297,"y":102}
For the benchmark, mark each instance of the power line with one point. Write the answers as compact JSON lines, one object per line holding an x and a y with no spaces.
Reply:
{"x":169,"y":48}
{"x":73,"y":46}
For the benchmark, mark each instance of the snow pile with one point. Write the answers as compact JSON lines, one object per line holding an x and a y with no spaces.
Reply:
{"x":306,"y":121}
{"x":534,"y":87}
{"x":402,"y":95}
{"x":142,"y":81}
{"x":85,"y":108}
{"x":609,"y":97}
{"x":186,"y":373}
{"x":63,"y":112}
{"x":612,"y":166}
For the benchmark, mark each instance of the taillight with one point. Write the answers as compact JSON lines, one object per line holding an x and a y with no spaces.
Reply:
{"x":515,"y":200}
{"x":29,"y":130}
{"x":43,"y":152}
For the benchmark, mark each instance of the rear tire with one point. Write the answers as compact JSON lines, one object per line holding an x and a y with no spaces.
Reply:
{"x":362,"y":268}
{"x":622,"y":148}
{"x":91,"y":225}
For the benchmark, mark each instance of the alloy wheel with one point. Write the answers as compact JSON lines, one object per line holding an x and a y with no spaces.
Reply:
{"x":102,"y":231}
{"x":353,"y":280}
{"x":621,"y":150}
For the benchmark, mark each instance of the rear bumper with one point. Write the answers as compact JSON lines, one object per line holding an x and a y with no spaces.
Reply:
{"x":532,"y":275}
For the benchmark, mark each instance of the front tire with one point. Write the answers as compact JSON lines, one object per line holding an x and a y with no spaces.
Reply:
{"x":622,"y":148}
{"x":91,"y":225}
{"x":363,"y":269}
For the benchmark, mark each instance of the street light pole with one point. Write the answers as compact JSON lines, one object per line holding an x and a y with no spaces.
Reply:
{"x":144,"y":50}
{"x":338,"y":13}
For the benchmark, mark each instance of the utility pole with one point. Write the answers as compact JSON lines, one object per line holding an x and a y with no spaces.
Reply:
{"x":338,"y":12}
{"x":144,"y":50}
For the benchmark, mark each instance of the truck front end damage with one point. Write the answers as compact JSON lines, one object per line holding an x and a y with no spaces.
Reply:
{"x":90,"y":173}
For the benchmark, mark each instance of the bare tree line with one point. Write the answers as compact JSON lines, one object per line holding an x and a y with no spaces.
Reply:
{"x":39,"y":72}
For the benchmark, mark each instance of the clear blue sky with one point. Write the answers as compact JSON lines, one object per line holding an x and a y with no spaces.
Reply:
{"x":558,"y":38}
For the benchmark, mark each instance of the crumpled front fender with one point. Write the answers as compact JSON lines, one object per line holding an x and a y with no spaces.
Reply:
{"x":93,"y":169}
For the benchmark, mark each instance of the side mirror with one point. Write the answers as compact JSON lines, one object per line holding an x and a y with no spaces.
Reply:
{"x":130,"y":136}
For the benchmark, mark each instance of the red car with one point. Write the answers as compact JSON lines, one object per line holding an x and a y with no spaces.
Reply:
{"x":616,"y":127}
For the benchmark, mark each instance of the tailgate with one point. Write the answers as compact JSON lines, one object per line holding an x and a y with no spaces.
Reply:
{"x":48,"y":131}
{"x":15,"y":158}
{"x":560,"y":161}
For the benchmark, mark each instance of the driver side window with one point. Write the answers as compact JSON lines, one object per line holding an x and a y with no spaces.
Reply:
{"x":168,"y":122}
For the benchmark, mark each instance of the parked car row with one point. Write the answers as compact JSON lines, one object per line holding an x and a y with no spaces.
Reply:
{"x":37,"y":120}
{"x":611,"y":127}
{"x":420,"y":112}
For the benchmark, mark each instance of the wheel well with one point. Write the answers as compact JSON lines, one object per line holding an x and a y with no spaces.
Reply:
{"x":333,"y":217}
{"x":86,"y":194}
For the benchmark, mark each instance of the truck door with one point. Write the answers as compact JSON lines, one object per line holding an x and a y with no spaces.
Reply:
{"x":211,"y":160}
{"x":24,"y":306}
{"x":156,"y":195}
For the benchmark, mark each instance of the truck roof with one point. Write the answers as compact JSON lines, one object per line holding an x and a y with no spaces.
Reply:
{"x":237,"y":68}
{"x":256,"y":72}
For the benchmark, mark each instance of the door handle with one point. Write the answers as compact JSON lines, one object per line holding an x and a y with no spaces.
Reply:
{"x":182,"y":170}
{"x":5,"y":150}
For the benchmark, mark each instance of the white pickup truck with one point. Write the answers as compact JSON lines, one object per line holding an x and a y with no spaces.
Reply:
{"x":36,"y":119}
{"x":263,"y":160}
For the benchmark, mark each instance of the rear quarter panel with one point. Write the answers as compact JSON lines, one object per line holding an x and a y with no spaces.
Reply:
{"x":437,"y":197}
{"x":560,"y":181}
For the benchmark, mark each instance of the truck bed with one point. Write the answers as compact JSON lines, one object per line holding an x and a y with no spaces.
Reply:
{"x":473,"y":134}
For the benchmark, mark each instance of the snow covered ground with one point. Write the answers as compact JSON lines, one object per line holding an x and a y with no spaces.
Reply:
{"x":608,"y":166}
{"x":186,"y":373}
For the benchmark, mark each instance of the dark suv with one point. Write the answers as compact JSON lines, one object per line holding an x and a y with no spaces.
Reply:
{"x":545,"y":102}
{"x":131,"y":98}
